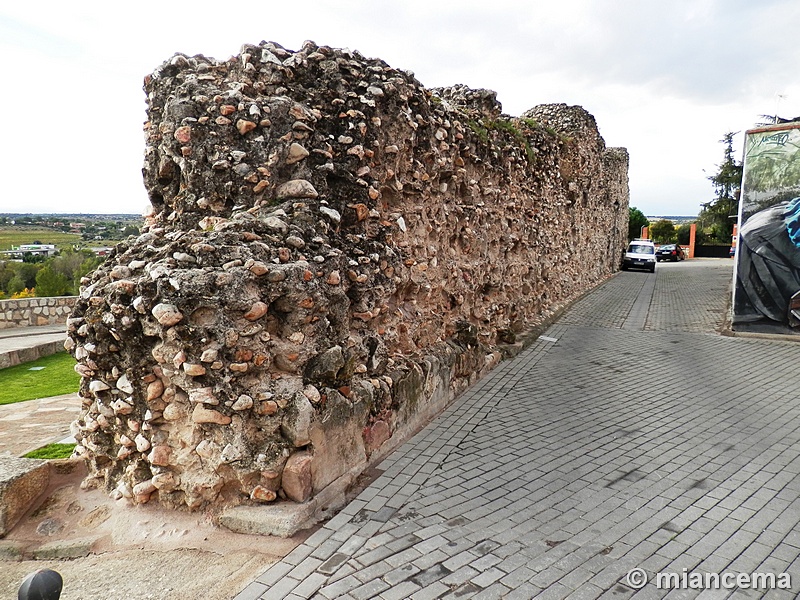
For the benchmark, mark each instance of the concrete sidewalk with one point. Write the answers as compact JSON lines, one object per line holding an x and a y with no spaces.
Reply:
{"x":639,"y":439}
{"x":26,"y":426}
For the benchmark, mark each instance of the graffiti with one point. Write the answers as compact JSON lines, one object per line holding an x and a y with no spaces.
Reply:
{"x":766,"y":294}
{"x":771,"y":168}
{"x":768,"y":268}
{"x":778,"y":139}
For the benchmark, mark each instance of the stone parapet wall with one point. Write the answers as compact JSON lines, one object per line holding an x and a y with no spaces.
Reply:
{"x":334,"y":252}
{"x":32,"y":312}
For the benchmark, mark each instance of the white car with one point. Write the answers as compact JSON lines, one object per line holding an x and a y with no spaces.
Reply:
{"x":641,"y":254}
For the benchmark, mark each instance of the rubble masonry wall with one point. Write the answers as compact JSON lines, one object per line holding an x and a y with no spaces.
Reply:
{"x":333,"y":253}
{"x":33,"y":312}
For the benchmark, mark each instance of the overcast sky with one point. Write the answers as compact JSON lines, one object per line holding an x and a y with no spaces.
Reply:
{"x":666,"y":79}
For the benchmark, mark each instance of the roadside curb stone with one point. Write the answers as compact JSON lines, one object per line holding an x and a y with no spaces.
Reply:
{"x":22,"y":481}
{"x":11,"y":550}
{"x":65,"y":549}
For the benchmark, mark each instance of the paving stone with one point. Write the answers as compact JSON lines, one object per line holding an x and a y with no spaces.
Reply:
{"x":488,"y":577}
{"x":333,"y":563}
{"x":349,"y":568}
{"x":275,"y":573}
{"x":401,"y":591}
{"x":340,"y":588}
{"x":373,"y":571}
{"x":299,"y":554}
{"x":459,"y":560}
{"x":524,"y":592}
{"x":409,"y":555}
{"x":485,"y":562}
{"x":383,"y":515}
{"x":495,"y":591}
{"x":466,"y":590}
{"x":319,"y":536}
{"x":460,"y":576}
{"x":430,"y":592}
{"x":373,"y":556}
{"x":305,"y":568}
{"x":575,"y":579}
{"x":586,"y":592}
{"x":369,"y":589}
{"x":430,"y":559}
{"x":326,"y":549}
{"x":436,"y":542}
{"x":309,"y":585}
{"x":253,"y":591}
{"x":428,"y":576}
{"x":399,"y":574}
{"x":282,"y":588}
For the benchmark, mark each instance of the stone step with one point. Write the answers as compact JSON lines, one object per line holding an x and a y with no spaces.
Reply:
{"x":19,"y":350}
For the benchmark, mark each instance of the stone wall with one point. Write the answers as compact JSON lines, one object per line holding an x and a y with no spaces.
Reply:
{"x":333,"y":253}
{"x":32,"y":312}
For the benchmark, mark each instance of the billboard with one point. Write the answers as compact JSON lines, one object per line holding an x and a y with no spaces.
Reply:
{"x":766,"y":295}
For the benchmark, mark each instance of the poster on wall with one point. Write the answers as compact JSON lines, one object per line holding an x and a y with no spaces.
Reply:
{"x":766,"y":295}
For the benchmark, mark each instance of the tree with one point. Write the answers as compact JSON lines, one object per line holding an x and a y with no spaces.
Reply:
{"x":30,"y":257}
{"x":636,"y":220}
{"x":16,"y":285}
{"x":51,"y":283}
{"x":27,"y":274}
{"x":683,"y":234}
{"x":719,"y":215}
{"x":90,"y":263}
{"x":74,"y":264}
{"x":6,"y":274}
{"x":663,"y":231}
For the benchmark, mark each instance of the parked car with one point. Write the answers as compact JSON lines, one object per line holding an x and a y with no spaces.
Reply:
{"x":671,"y":252}
{"x":641,"y":254}
{"x":732,"y":251}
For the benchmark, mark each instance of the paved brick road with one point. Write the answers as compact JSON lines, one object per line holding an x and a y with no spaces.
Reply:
{"x":639,"y":439}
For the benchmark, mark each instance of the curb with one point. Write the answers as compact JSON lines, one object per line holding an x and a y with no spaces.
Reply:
{"x":23,"y":355}
{"x":65,"y":549}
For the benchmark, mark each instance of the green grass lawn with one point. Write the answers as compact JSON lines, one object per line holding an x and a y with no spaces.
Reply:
{"x":52,"y":451}
{"x":57,"y":377}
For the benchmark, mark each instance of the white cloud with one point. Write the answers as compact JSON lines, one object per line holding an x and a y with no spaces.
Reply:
{"x":666,"y":80}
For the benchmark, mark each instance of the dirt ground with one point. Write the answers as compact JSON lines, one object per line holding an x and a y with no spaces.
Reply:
{"x":137,"y":552}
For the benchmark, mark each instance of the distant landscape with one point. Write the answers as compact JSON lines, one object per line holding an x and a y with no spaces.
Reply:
{"x":48,"y":254}
{"x":677,"y":220}
{"x":65,"y":229}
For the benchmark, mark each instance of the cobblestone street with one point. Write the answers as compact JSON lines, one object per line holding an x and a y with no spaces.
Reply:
{"x":631,"y":435}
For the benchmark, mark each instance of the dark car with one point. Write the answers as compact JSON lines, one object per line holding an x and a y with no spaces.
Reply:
{"x":671,"y":252}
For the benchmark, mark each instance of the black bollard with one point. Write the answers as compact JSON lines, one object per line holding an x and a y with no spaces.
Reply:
{"x":43,"y":584}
